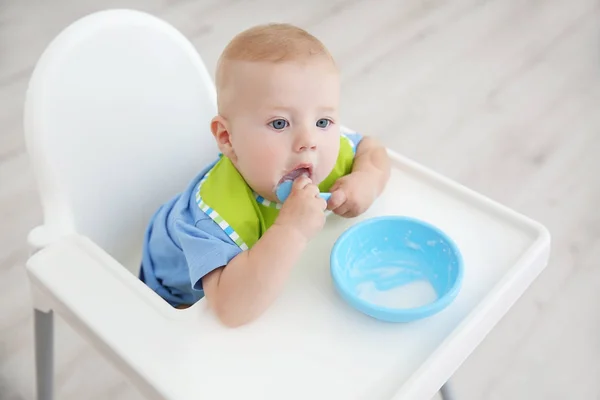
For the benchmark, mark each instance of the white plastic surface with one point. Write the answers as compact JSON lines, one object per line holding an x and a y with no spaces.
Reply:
{"x":117,"y":120}
{"x":309,"y":344}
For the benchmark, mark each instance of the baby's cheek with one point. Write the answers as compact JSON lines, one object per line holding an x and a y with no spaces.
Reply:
{"x":272,"y":166}
{"x":326,"y":165}
{"x":271,"y":157}
{"x":332,"y":155}
{"x":271,"y":152}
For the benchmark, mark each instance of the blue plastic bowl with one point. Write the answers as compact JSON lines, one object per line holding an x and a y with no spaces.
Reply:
{"x":396,"y":269}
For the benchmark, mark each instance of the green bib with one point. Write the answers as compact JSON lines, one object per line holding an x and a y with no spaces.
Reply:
{"x":244,"y":216}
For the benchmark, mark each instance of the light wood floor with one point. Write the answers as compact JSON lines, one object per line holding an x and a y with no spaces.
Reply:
{"x":501,"y":95}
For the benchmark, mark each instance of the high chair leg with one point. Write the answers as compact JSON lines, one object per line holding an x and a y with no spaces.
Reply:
{"x":44,"y":354}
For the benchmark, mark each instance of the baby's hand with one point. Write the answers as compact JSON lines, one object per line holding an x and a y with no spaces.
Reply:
{"x":353,"y":194}
{"x":303,"y":209}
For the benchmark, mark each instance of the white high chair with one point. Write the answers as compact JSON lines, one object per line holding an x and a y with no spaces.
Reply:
{"x":117,"y":121}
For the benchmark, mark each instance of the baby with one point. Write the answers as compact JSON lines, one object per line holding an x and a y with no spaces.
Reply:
{"x":227,"y":237}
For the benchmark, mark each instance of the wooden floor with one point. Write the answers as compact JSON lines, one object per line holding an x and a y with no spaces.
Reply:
{"x":501,"y":95}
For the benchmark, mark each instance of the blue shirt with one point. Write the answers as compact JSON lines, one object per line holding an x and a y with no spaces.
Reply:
{"x":182,"y":244}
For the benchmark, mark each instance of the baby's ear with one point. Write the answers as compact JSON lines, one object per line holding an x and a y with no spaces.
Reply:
{"x":220,"y":130}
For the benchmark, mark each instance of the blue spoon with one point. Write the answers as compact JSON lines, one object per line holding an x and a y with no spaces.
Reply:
{"x":284,"y":189}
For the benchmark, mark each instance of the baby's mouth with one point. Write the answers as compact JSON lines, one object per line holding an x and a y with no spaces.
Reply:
{"x":304,"y":169}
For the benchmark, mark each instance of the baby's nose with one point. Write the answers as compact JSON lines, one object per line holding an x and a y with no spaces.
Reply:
{"x":306,"y":140}
{"x":310,"y":146}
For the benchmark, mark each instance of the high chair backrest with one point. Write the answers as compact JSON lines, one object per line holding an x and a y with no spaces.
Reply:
{"x":117,"y":121}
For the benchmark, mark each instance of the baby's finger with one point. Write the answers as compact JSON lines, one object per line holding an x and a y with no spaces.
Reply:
{"x":312,"y":190}
{"x":343,"y":209}
{"x":322,"y":203}
{"x":337,"y":198}
{"x":301,"y":182}
{"x":336,"y":185}
{"x":349,"y":214}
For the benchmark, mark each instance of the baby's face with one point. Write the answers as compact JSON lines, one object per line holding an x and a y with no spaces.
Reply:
{"x":284,"y":122}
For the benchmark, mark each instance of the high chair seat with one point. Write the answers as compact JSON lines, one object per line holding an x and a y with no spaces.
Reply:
{"x":117,"y":121}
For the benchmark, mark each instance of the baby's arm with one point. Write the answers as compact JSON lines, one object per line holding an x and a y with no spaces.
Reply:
{"x":353,"y":194}
{"x":371,"y":157}
{"x":251,"y":281}
{"x":242,"y":290}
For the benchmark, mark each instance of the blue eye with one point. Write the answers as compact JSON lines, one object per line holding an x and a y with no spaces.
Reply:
{"x":279,"y":124}
{"x":323,"y":123}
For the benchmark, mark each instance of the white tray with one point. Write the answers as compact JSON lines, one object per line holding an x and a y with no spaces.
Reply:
{"x":310,"y":344}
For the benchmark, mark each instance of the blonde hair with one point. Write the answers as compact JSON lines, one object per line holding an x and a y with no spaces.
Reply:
{"x":270,"y":43}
